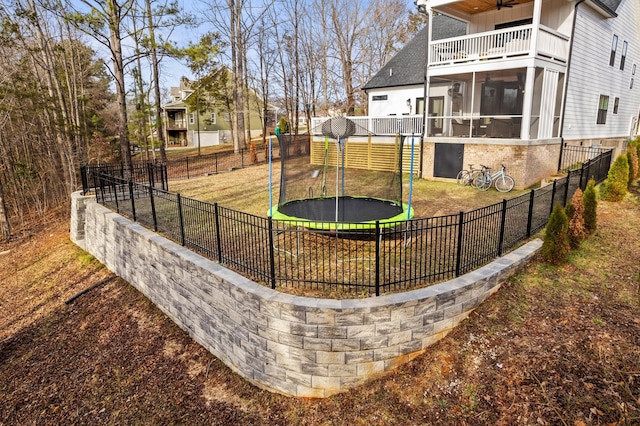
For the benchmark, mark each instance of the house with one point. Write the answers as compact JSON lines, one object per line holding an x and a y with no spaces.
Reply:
{"x":523,"y":79}
{"x":183,"y":127}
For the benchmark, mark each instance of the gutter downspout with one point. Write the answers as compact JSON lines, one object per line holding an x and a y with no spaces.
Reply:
{"x":566,"y":79}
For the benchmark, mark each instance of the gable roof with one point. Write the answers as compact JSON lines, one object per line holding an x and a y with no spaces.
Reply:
{"x":608,"y":6}
{"x":407,"y":66}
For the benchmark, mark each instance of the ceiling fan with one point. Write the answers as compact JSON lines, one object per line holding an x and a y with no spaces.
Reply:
{"x":505,"y":3}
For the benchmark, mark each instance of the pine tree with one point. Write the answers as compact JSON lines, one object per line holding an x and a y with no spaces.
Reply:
{"x":590,"y":201}
{"x":555,"y":247}
{"x":575,"y":213}
{"x":615,"y":187}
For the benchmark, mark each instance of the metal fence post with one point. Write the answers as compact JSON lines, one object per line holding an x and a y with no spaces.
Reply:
{"x":153,"y":209}
{"x":133,"y":203}
{"x":553,"y":196}
{"x":115,"y":194}
{"x":272,"y":256}
{"x":532,"y":197}
{"x":187,"y":161}
{"x":582,"y":185}
{"x":216,"y":158}
{"x":566,"y":189}
{"x":459,"y":249}
{"x":560,"y":157}
{"x":377,"y":258}
{"x":181,"y":219}
{"x":216,"y":217}
{"x":502,"y":226}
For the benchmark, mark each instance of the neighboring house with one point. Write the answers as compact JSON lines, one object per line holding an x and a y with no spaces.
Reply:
{"x":182,"y":126}
{"x":515,"y":82}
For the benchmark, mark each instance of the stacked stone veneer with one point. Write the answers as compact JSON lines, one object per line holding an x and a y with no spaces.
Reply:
{"x":298,"y":346}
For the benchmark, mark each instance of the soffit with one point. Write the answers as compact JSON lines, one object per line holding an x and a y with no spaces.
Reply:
{"x":472,"y":7}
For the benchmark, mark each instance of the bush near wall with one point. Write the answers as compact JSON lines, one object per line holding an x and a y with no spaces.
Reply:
{"x":555,"y":247}
{"x":615,"y":187}
{"x":590,"y":200}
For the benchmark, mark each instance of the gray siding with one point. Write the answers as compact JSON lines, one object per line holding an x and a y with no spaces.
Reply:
{"x":590,"y":74}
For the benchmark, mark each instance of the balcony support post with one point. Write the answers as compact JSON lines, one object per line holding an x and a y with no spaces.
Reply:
{"x":527,"y":103}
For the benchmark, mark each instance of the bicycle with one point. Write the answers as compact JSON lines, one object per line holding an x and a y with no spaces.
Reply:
{"x":466,"y":177}
{"x":502,"y":181}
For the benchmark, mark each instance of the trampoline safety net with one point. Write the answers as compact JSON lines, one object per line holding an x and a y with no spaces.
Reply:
{"x":326,"y":179}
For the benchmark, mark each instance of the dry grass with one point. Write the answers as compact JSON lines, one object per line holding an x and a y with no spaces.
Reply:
{"x":248,"y":190}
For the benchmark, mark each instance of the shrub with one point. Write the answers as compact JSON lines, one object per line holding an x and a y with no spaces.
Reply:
{"x":632,"y":157}
{"x":555,"y":247}
{"x":590,"y":201}
{"x":615,"y":187}
{"x":253,"y":154}
{"x":575,"y":213}
{"x":283,"y":125}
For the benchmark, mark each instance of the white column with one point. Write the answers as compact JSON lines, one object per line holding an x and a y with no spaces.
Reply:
{"x":527,"y":103}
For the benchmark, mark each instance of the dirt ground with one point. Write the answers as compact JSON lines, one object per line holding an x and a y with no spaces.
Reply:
{"x":555,"y":346}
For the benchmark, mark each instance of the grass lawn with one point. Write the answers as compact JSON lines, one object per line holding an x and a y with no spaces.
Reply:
{"x":247,"y":190}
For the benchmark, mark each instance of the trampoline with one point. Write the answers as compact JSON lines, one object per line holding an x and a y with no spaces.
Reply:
{"x":319,"y":192}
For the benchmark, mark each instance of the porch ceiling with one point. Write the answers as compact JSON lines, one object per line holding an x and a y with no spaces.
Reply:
{"x":478,"y":6}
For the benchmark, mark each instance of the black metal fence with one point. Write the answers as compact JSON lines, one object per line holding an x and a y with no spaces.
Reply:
{"x":188,"y":167}
{"x":574,"y":156}
{"x":286,"y":254}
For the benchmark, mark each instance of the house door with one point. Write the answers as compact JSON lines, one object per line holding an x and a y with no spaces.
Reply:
{"x":448,"y":159}
{"x":436,"y":111}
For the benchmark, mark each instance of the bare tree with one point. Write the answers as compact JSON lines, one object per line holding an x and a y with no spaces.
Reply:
{"x":105,"y":23}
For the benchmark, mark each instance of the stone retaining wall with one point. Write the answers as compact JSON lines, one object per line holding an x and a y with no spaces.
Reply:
{"x":297,"y":346}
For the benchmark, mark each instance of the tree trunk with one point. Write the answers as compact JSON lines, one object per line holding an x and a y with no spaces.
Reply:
{"x":156,"y":84}
{"x":118,"y":72}
{"x":5,"y":229}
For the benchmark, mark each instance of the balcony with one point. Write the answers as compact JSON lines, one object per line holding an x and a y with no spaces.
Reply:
{"x":460,"y":127}
{"x":500,"y":44}
{"x":176,"y":124}
{"x":389,"y":125}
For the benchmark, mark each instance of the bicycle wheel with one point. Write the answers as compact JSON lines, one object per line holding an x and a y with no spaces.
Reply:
{"x":482,"y":182}
{"x":463,"y":177}
{"x":504,"y":183}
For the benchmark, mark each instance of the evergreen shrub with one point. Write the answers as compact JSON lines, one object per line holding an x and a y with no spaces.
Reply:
{"x":555,"y":248}
{"x":575,"y":213}
{"x":615,"y":187}
{"x":590,"y":201}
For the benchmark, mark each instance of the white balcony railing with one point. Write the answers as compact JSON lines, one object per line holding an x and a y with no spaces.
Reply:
{"x":389,"y":125}
{"x":505,"y":43}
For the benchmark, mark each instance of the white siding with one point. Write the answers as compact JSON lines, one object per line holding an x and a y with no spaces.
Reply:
{"x":396,"y":102}
{"x":590,"y":73}
{"x":207,"y":138}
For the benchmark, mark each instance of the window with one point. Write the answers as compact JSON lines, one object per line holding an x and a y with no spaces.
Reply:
{"x":212,"y":119}
{"x":614,"y":46}
{"x":603,"y":106}
{"x":616,"y":102}
{"x":379,"y":97}
{"x":624,"y":55}
{"x":192,"y":118}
